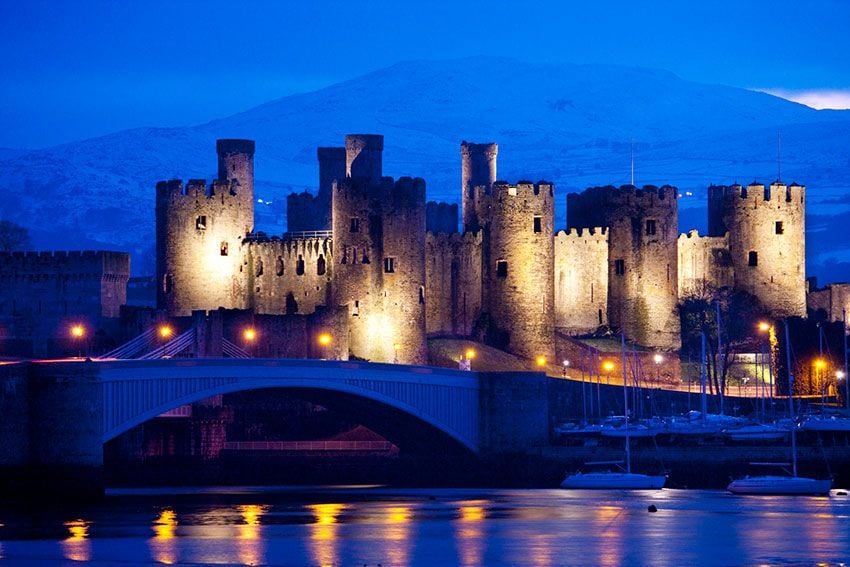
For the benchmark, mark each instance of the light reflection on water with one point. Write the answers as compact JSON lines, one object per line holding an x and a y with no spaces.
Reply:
{"x":328,"y":527}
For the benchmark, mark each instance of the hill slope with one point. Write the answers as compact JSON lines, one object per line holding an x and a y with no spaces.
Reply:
{"x":572,"y":124}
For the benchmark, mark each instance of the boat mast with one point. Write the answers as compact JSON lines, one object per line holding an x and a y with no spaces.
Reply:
{"x":791,"y":400}
{"x":626,"y":403}
{"x":721,"y":380}
{"x":846,"y":377}
{"x":702,"y":377}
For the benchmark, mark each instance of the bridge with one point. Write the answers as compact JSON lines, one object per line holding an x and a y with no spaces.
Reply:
{"x":58,"y":414}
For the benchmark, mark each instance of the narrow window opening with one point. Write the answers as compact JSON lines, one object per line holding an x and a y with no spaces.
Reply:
{"x":344,"y":255}
{"x":538,"y":224}
{"x":320,"y":265}
{"x":299,"y":266}
{"x":668,"y":272}
{"x":753,"y":258}
{"x":780,"y":229}
{"x":389,"y":265}
{"x":502,"y":268}
{"x":421,"y":295}
{"x":201,"y":222}
{"x":168,"y":283}
{"x":600,"y":316}
{"x":650,"y":227}
{"x":279,"y":266}
{"x":355,"y":224}
{"x":620,"y":267}
{"x":224,"y":248}
{"x":591,"y":292}
{"x":355,"y":311}
{"x":259,"y":271}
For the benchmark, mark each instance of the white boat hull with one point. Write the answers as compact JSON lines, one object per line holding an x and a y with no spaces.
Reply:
{"x":614,"y":481}
{"x":790,"y":485}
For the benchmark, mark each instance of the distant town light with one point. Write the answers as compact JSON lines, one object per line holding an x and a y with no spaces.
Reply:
{"x":249,"y":334}
{"x":324,"y":339}
{"x":77,"y":331}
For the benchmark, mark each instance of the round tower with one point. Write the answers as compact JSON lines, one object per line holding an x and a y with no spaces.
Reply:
{"x":643,"y":257}
{"x":236,"y":164}
{"x":199,"y":232}
{"x":767,"y":242}
{"x":403,"y":271}
{"x":364,"y":156}
{"x":520,"y":287}
{"x":478,"y":169}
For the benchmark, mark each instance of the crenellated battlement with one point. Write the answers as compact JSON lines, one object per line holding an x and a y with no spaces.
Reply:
{"x":81,"y":263}
{"x":289,"y":247}
{"x":599,"y":233}
{"x":174,"y":190}
{"x":443,"y":239}
{"x":756,"y":193}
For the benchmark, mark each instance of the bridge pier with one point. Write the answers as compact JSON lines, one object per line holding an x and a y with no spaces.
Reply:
{"x":51,"y":432}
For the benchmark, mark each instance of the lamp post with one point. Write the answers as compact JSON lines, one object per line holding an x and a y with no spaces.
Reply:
{"x":165,"y":332}
{"x":767,"y":328}
{"x":250,"y":336}
{"x":566,"y":365}
{"x":78,"y":333}
{"x":325,"y":340}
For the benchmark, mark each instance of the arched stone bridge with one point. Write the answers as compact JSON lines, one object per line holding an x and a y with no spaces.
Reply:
{"x":58,"y":414}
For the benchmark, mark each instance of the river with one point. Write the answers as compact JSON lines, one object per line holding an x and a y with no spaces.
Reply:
{"x":302,"y":526}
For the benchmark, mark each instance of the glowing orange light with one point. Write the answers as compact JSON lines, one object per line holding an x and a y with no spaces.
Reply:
{"x":324,"y":339}
{"x":249,"y":334}
{"x":764,"y":326}
{"x":77,"y":331}
{"x":658,"y":359}
{"x":608,"y":366}
{"x":165,"y":331}
{"x":470,"y":354}
{"x":820,"y":364}
{"x":541,"y":361}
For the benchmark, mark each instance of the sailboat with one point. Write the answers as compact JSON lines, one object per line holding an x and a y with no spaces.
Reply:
{"x":782,"y":484}
{"x":623,"y":478}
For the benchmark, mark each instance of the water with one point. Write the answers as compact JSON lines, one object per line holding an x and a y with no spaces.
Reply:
{"x":395,"y":527}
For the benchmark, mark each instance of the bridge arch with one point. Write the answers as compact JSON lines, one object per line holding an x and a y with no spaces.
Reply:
{"x":445,"y":400}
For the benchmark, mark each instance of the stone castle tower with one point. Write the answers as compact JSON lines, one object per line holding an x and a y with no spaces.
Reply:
{"x":519,"y":288}
{"x":478,"y":174}
{"x":767,"y":245}
{"x":379,"y":250}
{"x":642,"y":257}
{"x":199,"y":232}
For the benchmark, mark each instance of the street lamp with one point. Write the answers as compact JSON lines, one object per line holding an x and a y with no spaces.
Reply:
{"x":250,"y":335}
{"x":165,"y":331}
{"x":77,"y":334}
{"x":541,"y":361}
{"x":566,"y":364}
{"x":608,"y":366}
{"x":325,"y":340}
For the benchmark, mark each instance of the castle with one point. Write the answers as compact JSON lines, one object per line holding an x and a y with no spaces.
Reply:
{"x":391,"y":269}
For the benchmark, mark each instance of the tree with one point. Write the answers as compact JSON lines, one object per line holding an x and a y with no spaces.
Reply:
{"x":13,"y":237}
{"x":740,"y":313}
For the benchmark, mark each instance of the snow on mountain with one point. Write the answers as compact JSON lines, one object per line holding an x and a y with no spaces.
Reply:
{"x":572,"y":124}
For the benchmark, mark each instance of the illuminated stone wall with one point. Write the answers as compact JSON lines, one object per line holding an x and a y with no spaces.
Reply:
{"x":519,"y":294}
{"x":452,"y":282}
{"x":199,"y":233}
{"x":581,"y":280}
{"x":705,"y":264}
{"x":767,"y":243}
{"x":289,"y":275}
{"x":833,"y":299}
{"x":642,"y":257}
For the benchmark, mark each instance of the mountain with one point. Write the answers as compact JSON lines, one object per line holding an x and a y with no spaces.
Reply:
{"x":573,"y":124}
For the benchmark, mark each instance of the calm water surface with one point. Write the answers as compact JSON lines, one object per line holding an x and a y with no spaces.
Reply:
{"x":397,"y":527}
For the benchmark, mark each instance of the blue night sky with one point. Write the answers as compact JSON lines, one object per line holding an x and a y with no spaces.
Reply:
{"x":72,"y":70}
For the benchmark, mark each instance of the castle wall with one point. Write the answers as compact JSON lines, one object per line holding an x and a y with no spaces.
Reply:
{"x":364,"y":156}
{"x":766,"y":227}
{"x":288,"y":276}
{"x":705,"y":264}
{"x":45,"y":293}
{"x":520,"y":287}
{"x":581,"y":280}
{"x":308,"y":212}
{"x":453,"y":282}
{"x":478,"y":169}
{"x":833,"y":300}
{"x":642,"y":257}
